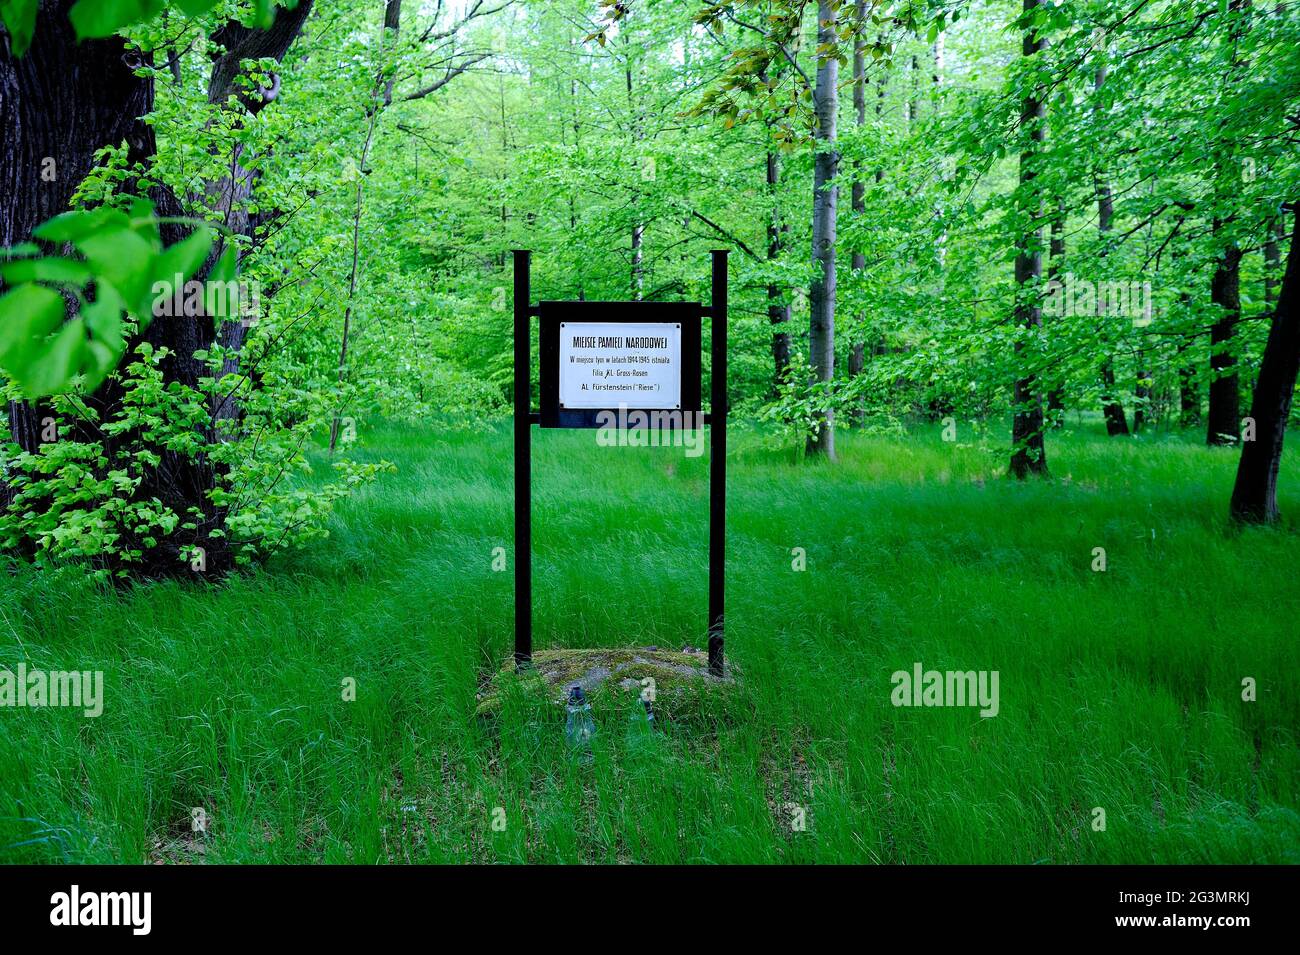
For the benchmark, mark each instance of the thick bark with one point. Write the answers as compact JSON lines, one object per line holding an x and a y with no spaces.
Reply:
{"x":821,"y":329}
{"x":1254,"y":495}
{"x":1028,"y":453}
{"x":58,"y":104}
{"x":1223,"y":419}
{"x":65,"y":100}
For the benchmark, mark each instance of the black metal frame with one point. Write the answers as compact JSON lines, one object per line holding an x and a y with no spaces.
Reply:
{"x":689,"y":314}
{"x":555,"y":314}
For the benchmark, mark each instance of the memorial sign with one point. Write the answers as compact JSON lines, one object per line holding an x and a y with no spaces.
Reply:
{"x":629,"y":362}
{"x":607,"y":356}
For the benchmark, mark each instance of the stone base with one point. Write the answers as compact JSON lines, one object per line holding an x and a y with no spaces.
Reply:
{"x":680,"y":677}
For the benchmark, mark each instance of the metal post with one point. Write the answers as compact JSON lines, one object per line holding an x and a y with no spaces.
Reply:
{"x":718,"y":462}
{"x":523,"y":463}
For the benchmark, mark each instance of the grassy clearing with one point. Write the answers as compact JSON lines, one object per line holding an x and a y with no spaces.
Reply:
{"x":1119,"y":689}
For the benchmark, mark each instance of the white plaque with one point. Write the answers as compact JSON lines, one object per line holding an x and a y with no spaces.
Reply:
{"x":604,"y":365}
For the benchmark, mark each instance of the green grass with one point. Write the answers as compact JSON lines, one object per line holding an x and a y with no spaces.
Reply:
{"x":1119,"y":690}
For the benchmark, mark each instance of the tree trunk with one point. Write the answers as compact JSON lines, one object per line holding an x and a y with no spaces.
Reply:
{"x":857,"y":356}
{"x":1189,"y":398}
{"x":1055,"y":268}
{"x":1254,"y":495}
{"x":64,"y":100}
{"x":638,"y":227}
{"x":1223,"y":420}
{"x":1028,"y":454}
{"x":821,"y":328}
{"x":1272,"y":262}
{"x":1111,"y":407}
{"x":778,"y":311}
{"x":1141,"y":395}
{"x":58,"y":104}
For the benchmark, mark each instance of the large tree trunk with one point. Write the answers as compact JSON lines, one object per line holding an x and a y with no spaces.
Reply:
{"x":1223,"y":420}
{"x":821,"y":329}
{"x":1028,"y":453}
{"x":58,"y":104}
{"x":65,"y":100}
{"x":1254,"y":496}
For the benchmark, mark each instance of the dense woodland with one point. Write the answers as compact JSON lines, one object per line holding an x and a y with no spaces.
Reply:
{"x":1004,"y":216}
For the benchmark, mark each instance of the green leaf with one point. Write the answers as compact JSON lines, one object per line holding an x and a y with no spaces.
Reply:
{"x":194,"y":8}
{"x":183,"y":258}
{"x":51,"y":269}
{"x":59,"y":364}
{"x":27,"y":314}
{"x":104,"y":319}
{"x":125,"y":260}
{"x":100,"y":361}
{"x":263,"y":14}
{"x":222,"y":298}
{"x":69,"y":226}
{"x":19,"y":18}
{"x":93,"y":19}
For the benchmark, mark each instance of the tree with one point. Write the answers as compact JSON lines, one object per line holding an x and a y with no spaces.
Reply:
{"x":858,"y":352}
{"x":1112,"y":408}
{"x":1028,"y":454}
{"x":1254,"y":494}
{"x":821,"y":299}
{"x":99,"y":101}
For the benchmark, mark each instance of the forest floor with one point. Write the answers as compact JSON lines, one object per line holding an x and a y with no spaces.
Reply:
{"x":1118,"y":690}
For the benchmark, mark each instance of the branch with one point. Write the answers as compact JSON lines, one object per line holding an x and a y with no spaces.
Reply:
{"x":450,"y":75}
{"x":725,"y":234}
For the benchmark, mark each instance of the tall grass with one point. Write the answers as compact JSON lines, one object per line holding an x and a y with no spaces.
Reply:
{"x":1119,"y":690}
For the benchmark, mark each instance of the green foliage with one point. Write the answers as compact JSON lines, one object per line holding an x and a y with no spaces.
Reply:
{"x":122,"y":271}
{"x":94,"y":19}
{"x":83,"y":496}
